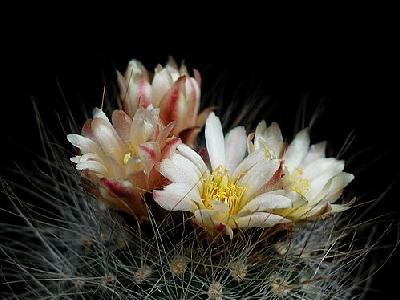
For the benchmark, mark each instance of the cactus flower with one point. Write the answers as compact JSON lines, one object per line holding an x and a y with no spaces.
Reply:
{"x":231,"y":193}
{"x":318,"y":180}
{"x":120,"y":159}
{"x":173,"y":90}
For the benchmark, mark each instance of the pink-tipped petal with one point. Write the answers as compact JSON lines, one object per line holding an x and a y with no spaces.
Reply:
{"x":108,"y":139}
{"x":172,"y":68}
{"x":149,"y":154}
{"x":87,"y":130}
{"x":170,"y":146}
{"x":173,"y":106}
{"x":138,"y":89}
{"x":122,"y":124}
{"x":197,"y":76}
{"x":162,"y":82}
{"x":192,"y":102}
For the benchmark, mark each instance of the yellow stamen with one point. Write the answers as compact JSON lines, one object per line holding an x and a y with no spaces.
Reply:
{"x":219,"y":186}
{"x":127,"y":157}
{"x":132,"y":152}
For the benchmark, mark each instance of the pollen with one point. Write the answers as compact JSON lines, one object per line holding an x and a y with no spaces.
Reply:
{"x":296,"y":182}
{"x":219,"y":186}
{"x":127,"y":157}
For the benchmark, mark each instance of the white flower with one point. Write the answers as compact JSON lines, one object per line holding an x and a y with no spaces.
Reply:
{"x":306,"y":171}
{"x":233,"y":193}
{"x":171,"y":89}
{"x":120,"y":159}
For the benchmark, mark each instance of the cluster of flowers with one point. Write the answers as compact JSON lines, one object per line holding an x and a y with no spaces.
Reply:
{"x":241,"y":180}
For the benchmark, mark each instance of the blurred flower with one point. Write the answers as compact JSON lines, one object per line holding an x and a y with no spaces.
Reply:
{"x":171,"y":89}
{"x":120,"y":159}
{"x":318,"y":180}
{"x":232,"y":193}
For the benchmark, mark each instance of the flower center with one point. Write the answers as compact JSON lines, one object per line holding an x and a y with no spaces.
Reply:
{"x":296,"y":182}
{"x":219,"y":186}
{"x":127,"y":157}
{"x":129,"y":154}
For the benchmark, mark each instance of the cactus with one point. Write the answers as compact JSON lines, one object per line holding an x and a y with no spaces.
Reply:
{"x":68,"y":245}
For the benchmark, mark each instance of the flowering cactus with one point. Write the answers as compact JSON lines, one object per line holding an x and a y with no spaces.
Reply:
{"x":277,"y":203}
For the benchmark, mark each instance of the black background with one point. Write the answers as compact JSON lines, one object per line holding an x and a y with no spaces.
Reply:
{"x":351,"y":67}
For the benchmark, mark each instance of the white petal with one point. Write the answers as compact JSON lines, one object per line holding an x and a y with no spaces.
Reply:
{"x":228,"y":231}
{"x":316,"y":151}
{"x":86,"y":157}
{"x":177,"y":197}
{"x":320,"y":166}
{"x":270,"y":137}
{"x":139,"y":89}
{"x":122,"y":124}
{"x":251,"y":160}
{"x":213,"y":218}
{"x":192,"y":100}
{"x":339,"y":208}
{"x":172,"y":68}
{"x":215,"y":141}
{"x":162,"y":82}
{"x":259,"y":175}
{"x":311,"y":211}
{"x":179,"y":169}
{"x":75,"y":159}
{"x":334,"y":188}
{"x":143,"y":125}
{"x":221,"y":210}
{"x":98,"y":113}
{"x":297,"y":150}
{"x":204,"y":217}
{"x":85,"y":144}
{"x":195,"y":158}
{"x":92,"y":165}
{"x":269,"y":200}
{"x":235,"y":147}
{"x":108,"y":139}
{"x":259,"y":135}
{"x":318,"y":183}
{"x":275,"y":138}
{"x":260,"y":219}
